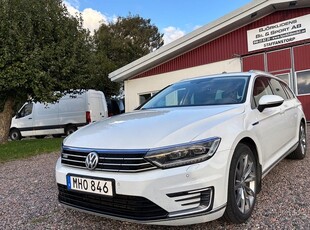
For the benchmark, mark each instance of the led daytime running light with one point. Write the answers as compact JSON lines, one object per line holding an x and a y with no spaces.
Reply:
{"x":191,"y":153}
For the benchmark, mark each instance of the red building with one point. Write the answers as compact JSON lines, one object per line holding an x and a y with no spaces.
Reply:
{"x":268,"y":35}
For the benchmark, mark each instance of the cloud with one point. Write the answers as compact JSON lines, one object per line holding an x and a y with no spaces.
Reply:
{"x":172,"y":33}
{"x":92,"y":19}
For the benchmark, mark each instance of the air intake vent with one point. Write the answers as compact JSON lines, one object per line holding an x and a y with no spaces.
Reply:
{"x":195,"y":201}
{"x":194,"y":197}
{"x":131,"y":207}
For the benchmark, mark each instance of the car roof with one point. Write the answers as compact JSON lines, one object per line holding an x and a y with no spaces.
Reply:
{"x":251,"y":73}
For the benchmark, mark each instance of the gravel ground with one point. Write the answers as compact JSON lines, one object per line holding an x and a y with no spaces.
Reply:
{"x":28,"y":200}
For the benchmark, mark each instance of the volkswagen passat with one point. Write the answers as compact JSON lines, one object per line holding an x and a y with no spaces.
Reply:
{"x":196,"y":151}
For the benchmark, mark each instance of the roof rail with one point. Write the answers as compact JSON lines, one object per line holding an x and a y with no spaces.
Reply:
{"x":260,"y":72}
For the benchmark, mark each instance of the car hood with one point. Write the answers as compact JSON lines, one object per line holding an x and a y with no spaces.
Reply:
{"x":145,"y":129}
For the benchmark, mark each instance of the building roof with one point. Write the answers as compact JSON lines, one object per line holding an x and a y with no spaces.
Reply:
{"x":232,"y":21}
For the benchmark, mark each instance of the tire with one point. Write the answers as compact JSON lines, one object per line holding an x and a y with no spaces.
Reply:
{"x":15,"y":135}
{"x":301,"y":150}
{"x":242,"y":185}
{"x":70,"y":129}
{"x":40,"y":137}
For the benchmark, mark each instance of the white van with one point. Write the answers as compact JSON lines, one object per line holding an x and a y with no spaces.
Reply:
{"x":63,"y":117}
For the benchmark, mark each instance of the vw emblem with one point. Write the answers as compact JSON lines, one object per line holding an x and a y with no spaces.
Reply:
{"x":91,"y":160}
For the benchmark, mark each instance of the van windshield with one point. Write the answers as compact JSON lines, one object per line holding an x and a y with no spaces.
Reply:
{"x":26,"y":110}
{"x":204,"y":91}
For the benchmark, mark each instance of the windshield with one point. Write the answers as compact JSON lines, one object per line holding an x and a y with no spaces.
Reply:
{"x":203,"y":91}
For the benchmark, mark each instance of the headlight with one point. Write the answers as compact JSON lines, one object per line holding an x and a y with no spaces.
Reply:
{"x":190,"y":153}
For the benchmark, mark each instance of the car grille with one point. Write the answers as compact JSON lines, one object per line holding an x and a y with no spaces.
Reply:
{"x":109,"y":160}
{"x":130,"y":207}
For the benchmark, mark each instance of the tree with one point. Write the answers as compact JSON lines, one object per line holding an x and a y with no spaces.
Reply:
{"x":42,"y":50}
{"x":119,"y":43}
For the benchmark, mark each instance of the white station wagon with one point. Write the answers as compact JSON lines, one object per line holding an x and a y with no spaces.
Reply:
{"x":196,"y":151}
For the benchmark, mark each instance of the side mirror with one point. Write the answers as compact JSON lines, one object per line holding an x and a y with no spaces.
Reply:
{"x":269,"y":101}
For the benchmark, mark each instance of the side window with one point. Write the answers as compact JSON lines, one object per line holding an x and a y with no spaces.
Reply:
{"x":288,"y":91}
{"x":261,"y":88}
{"x":26,"y":110}
{"x":284,"y":77}
{"x":278,"y":89}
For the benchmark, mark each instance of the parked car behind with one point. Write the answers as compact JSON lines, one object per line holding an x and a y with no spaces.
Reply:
{"x":63,"y":117}
{"x":196,"y":151}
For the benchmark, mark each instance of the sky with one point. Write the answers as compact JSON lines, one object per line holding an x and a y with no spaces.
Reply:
{"x":174,"y":18}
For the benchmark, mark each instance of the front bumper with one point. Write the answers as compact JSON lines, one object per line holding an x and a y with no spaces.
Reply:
{"x":178,"y":196}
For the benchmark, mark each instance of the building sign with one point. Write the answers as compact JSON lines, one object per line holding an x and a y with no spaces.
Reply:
{"x":280,"y":33}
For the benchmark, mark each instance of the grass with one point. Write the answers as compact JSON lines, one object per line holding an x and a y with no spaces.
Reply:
{"x":14,"y":150}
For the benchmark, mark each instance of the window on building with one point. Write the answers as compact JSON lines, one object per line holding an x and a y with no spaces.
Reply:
{"x":175,"y":98}
{"x":144,"y":97}
{"x":303,"y":82}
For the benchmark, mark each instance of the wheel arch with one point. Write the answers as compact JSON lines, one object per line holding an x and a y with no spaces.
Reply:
{"x":68,"y":126}
{"x":252,"y":145}
{"x":17,"y":130}
{"x":14,"y":128}
{"x":231,"y":214}
{"x":303,"y":121}
{"x":11,"y":128}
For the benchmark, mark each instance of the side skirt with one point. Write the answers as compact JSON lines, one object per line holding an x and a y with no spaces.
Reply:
{"x":280,"y":159}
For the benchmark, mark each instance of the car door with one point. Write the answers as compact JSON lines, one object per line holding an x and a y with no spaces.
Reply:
{"x":46,"y":119}
{"x":269,"y":124}
{"x":24,"y":120}
{"x":289,"y":110}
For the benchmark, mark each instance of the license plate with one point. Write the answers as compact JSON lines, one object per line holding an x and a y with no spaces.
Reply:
{"x":91,"y":185}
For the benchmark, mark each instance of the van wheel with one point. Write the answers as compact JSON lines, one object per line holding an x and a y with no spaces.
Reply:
{"x":242,"y":185}
{"x":70,"y":129}
{"x":15,"y":135}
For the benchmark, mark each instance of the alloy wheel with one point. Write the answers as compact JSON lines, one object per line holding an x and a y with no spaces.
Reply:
{"x":245,"y":183}
{"x":303,"y":141}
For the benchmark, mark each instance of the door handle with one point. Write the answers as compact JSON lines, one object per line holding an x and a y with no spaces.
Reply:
{"x":30,"y":118}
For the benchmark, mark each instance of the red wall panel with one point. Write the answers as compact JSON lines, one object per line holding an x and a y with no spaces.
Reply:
{"x":255,"y":62}
{"x":302,"y":62}
{"x":302,"y":57}
{"x":224,"y":47}
{"x":279,"y":60}
{"x":305,"y":101}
